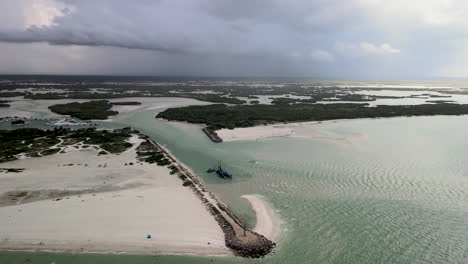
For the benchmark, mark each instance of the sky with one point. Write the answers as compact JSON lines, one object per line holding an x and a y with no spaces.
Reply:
{"x":321,"y":39}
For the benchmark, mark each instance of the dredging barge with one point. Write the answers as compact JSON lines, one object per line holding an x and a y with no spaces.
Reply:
{"x":220,"y":172}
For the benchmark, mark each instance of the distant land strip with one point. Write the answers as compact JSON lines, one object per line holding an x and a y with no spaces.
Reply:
{"x":219,"y":116}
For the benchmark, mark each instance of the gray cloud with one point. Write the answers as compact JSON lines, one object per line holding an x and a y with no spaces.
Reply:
{"x":225,"y":26}
{"x":56,"y":36}
{"x":317,"y":38}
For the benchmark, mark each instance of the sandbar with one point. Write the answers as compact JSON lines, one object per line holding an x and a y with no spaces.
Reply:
{"x":267,"y":222}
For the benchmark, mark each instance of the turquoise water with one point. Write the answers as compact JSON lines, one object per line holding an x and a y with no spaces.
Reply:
{"x":363,"y":191}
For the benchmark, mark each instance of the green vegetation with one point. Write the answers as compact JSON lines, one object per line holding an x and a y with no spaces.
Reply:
{"x":4,"y":103}
{"x":150,"y":153}
{"x":440,"y":101}
{"x":116,"y":148}
{"x":174,"y":169}
{"x":14,"y":142}
{"x":221,"y":116}
{"x":49,"y":152}
{"x":34,"y":142}
{"x":104,"y":88}
{"x":75,"y":95}
{"x":438,"y":96}
{"x":283,"y":100}
{"x":17,"y":122}
{"x":85,"y":111}
{"x":156,"y":157}
{"x":113,"y":142}
{"x":212,"y":98}
{"x":11,"y":94}
{"x":123,"y":94}
{"x":187,"y":183}
{"x":9,"y":170}
{"x":125,"y":103}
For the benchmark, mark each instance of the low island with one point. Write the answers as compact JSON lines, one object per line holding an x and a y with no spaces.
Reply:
{"x":4,"y":103}
{"x":220,"y":116}
{"x":126,"y":103}
{"x":100,"y":109}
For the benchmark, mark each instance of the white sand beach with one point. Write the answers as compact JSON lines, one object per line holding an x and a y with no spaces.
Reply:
{"x":255,"y":133}
{"x":299,"y":129}
{"x":267,"y":222}
{"x":100,"y":204}
{"x":306,"y":130}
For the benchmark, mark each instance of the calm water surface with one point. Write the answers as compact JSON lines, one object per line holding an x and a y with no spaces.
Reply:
{"x":361,"y":191}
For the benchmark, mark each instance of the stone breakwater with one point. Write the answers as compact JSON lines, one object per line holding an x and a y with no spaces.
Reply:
{"x":257,"y":247}
{"x":212,"y":135}
{"x":242,"y":241}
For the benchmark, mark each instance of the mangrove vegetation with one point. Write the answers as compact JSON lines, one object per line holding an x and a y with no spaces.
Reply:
{"x":218,"y":116}
{"x":88,"y":110}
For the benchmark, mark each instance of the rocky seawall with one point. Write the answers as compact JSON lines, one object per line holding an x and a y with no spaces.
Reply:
{"x":212,"y":135}
{"x":243,"y":242}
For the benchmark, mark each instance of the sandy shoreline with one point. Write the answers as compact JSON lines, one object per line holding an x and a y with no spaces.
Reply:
{"x":246,"y":243}
{"x":267,"y":222}
{"x":292,"y":130}
{"x":256,"y":133}
{"x":113,"y":210}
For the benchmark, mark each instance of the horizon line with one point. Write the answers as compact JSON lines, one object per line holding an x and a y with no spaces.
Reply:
{"x":232,"y":77}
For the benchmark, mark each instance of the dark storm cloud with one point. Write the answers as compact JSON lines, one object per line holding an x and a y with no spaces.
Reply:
{"x":224,"y":26}
{"x":56,"y":36}
{"x":144,"y":25}
{"x":318,"y":38}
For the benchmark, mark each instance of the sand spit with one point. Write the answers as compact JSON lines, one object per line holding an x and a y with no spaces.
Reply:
{"x":307,"y":130}
{"x":267,"y":223}
{"x":242,"y":241}
{"x":103,"y":204}
{"x":255,"y":133}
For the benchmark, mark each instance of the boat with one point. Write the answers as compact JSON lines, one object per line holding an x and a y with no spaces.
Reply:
{"x":220,"y":172}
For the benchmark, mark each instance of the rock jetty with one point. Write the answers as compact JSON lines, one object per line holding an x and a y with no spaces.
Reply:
{"x":242,"y":241}
{"x":212,"y":135}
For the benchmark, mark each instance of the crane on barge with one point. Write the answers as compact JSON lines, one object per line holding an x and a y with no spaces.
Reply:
{"x":220,"y":172}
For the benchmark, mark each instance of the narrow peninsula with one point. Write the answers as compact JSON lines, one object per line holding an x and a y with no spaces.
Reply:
{"x":78,"y":181}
